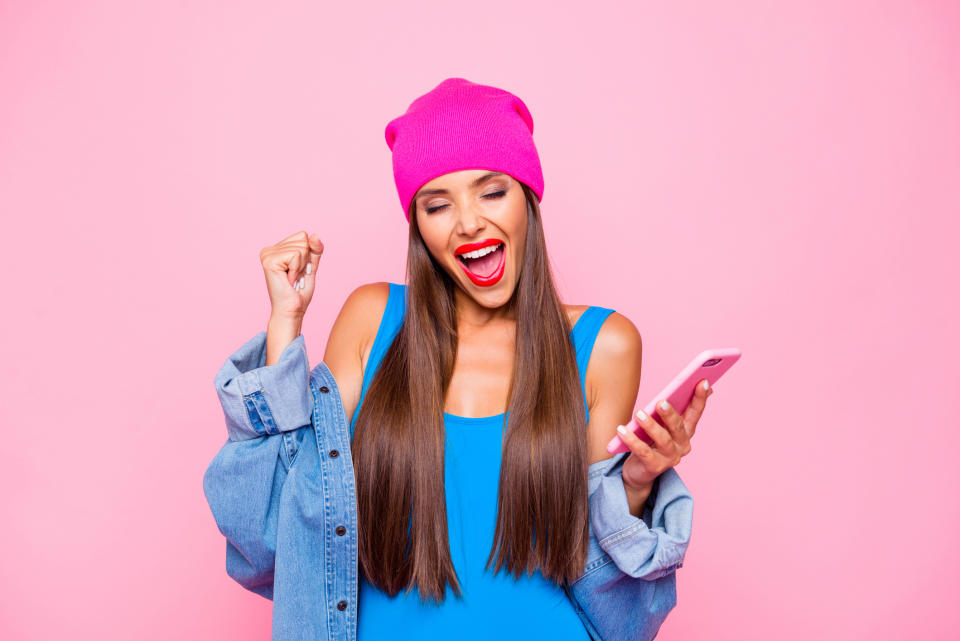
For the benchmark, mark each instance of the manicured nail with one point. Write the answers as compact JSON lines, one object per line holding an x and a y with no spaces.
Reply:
{"x":302,"y":279}
{"x":664,"y":405}
{"x":622,"y":429}
{"x":309,"y":267}
{"x":706,"y":386}
{"x":641,"y":415}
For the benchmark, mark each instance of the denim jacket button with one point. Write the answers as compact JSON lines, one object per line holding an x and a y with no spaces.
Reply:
{"x":341,"y":530}
{"x":334,"y":453}
{"x":324,"y":389}
{"x":342,"y":606}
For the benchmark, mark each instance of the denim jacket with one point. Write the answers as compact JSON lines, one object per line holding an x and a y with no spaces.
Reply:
{"x":281,"y":490}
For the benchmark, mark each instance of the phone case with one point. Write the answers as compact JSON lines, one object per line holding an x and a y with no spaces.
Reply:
{"x":709,"y":364}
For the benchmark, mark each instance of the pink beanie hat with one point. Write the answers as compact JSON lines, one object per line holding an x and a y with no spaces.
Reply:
{"x":462,"y":125}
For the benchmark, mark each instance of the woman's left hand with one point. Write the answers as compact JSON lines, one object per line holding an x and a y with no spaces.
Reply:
{"x":670,"y":444}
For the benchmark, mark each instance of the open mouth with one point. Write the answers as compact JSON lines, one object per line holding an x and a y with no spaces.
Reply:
{"x":487,"y":269}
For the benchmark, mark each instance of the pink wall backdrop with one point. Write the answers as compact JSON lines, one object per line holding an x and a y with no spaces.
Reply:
{"x":782,"y":177}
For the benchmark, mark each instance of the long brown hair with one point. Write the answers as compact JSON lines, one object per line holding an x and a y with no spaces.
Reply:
{"x":398,"y":442}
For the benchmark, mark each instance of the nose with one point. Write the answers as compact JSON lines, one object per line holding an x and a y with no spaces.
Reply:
{"x":470,"y":222}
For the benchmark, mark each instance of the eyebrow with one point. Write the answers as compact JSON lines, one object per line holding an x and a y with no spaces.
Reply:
{"x":481,"y":179}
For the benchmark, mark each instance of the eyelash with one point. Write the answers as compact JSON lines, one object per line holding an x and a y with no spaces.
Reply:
{"x":494,"y":195}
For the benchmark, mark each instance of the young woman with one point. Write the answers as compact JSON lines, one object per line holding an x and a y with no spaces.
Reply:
{"x":476,"y":399}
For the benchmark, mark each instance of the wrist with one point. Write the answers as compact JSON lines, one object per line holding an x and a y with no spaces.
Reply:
{"x":636,"y":497}
{"x":631,"y":487}
{"x":281,"y":331}
{"x":285,"y":320}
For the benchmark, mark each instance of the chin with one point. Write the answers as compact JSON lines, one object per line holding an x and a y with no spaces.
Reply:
{"x":489,"y":297}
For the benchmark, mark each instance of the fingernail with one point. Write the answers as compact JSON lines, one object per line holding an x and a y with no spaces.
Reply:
{"x":706,"y":385}
{"x":302,"y":280}
{"x":310,"y":269}
{"x":641,"y":415}
{"x":622,"y":429}
{"x":664,"y":405}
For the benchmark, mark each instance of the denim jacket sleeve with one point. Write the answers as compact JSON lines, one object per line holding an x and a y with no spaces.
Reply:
{"x":629,"y":584}
{"x":259,"y":400}
{"x":268,"y":412}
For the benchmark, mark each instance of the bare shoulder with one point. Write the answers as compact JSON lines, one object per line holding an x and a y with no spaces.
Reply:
{"x":612,"y":381}
{"x":351,"y":338}
{"x":618,"y":338}
{"x":616,"y":357}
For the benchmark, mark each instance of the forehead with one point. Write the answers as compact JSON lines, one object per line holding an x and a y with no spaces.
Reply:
{"x":464,"y":177}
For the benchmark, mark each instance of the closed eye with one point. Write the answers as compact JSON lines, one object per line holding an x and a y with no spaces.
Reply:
{"x":492,"y":195}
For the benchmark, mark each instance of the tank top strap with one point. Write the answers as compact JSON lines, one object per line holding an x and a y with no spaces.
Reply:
{"x":584,"y":334}
{"x":390,"y":324}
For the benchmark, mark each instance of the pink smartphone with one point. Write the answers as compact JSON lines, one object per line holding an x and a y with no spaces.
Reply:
{"x":709,"y":364}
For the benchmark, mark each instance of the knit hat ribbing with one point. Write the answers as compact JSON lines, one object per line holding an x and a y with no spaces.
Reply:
{"x":462,"y":125}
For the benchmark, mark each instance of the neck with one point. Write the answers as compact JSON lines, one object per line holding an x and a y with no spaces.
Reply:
{"x":472,"y":314}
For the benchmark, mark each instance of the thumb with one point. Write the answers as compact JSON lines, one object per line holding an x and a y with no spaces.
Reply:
{"x":316,"y":246}
{"x":316,"y":250}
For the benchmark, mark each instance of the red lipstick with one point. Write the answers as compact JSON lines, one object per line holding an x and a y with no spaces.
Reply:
{"x":496,"y":275}
{"x":469,"y":247}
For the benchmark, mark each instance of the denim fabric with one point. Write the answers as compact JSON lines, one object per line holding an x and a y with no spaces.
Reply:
{"x":281,"y":490}
{"x":629,"y":584}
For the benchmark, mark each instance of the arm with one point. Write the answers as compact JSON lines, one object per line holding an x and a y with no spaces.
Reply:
{"x":259,"y":399}
{"x":267,"y":410}
{"x":629,"y":584}
{"x":638,"y":536}
{"x":617,"y":510}
{"x":636,"y":498}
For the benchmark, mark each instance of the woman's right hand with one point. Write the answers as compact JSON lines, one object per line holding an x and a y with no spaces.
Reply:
{"x":286,"y":265}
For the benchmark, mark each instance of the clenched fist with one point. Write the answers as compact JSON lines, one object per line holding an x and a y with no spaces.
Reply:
{"x":290,"y":268}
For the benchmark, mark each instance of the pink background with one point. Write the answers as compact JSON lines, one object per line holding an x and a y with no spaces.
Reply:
{"x":781,"y":179}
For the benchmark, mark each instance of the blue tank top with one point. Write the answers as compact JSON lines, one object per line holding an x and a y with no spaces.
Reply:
{"x":493,"y":605}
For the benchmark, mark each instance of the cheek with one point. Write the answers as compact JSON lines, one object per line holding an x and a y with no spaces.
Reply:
{"x":430,"y":237}
{"x":434,"y":250}
{"x":437,"y":249}
{"x":520,"y":224}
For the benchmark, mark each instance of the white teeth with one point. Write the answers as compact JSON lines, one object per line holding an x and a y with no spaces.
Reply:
{"x":481,"y":252}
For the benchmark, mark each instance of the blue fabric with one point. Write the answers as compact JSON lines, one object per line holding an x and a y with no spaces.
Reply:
{"x":583,"y":334}
{"x":279,"y":499}
{"x":530,"y":607}
{"x":282,"y":493}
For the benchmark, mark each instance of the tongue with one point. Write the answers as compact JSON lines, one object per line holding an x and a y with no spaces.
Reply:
{"x":485,"y":265}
